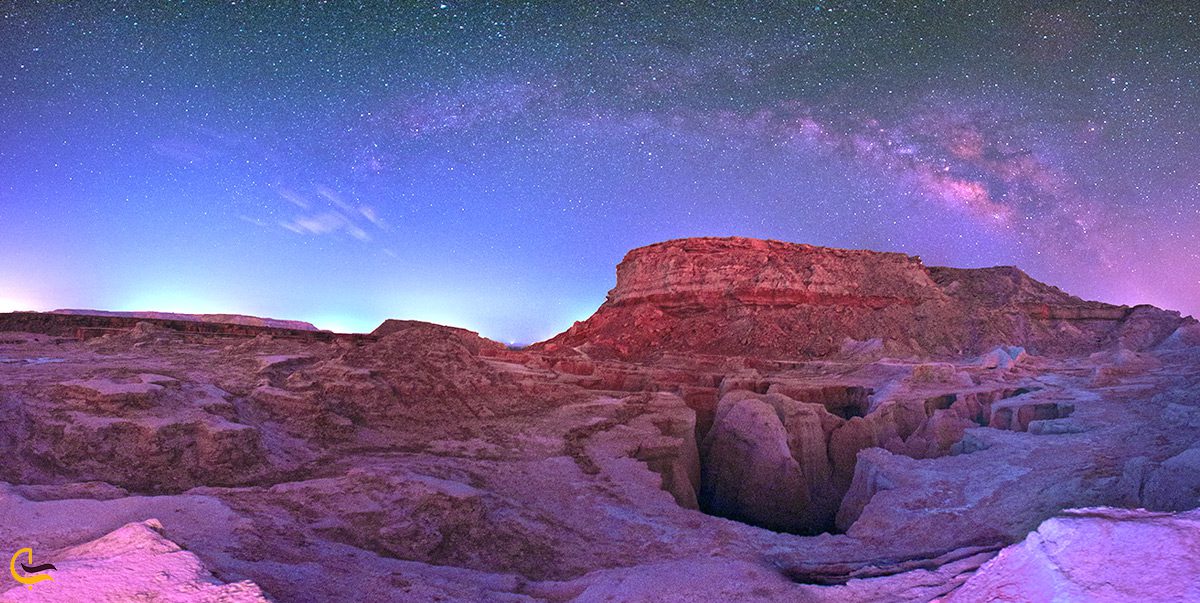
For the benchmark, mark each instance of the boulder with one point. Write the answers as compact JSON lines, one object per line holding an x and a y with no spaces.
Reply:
{"x":1175,"y":484}
{"x":749,"y":473}
{"x":1003,"y":358}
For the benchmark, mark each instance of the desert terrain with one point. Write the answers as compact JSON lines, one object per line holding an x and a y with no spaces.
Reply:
{"x":741,"y":420}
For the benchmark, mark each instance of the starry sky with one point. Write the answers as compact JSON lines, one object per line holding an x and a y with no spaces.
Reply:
{"x":486,"y":164}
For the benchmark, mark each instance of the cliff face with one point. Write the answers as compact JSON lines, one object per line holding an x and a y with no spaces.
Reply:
{"x":423,"y":462}
{"x":738,"y":296}
{"x":701,"y":273}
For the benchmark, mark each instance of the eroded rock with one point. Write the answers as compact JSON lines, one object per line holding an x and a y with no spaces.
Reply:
{"x":831,"y":391}
{"x":737,"y":296}
{"x":134,"y":562}
{"x":749,"y":473}
{"x":1098,"y":554}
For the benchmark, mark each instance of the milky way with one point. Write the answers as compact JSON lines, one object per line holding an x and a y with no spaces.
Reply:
{"x":486,"y":165}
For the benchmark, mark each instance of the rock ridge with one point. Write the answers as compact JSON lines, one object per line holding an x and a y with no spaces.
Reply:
{"x":738,"y":296}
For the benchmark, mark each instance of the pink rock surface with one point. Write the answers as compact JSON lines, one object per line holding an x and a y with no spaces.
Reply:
{"x":738,"y":296}
{"x":874,"y":409}
{"x":133,"y":563}
{"x":1100,"y":554}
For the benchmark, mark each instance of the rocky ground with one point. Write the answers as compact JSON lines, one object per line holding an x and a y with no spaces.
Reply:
{"x":426,"y":463}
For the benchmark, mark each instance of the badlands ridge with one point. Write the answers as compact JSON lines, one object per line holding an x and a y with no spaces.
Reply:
{"x":741,"y":420}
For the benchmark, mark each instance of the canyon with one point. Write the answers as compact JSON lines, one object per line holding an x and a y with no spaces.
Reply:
{"x":740,"y":420}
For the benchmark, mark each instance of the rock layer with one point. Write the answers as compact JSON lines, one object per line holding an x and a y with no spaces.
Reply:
{"x":424,"y":462}
{"x":750,"y":297}
{"x":232,"y":319}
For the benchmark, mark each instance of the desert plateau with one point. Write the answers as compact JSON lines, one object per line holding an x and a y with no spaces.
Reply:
{"x":741,"y":420}
{"x":549,"y":301}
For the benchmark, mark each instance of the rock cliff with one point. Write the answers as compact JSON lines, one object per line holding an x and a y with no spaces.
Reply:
{"x":749,"y":297}
{"x":637,"y":457}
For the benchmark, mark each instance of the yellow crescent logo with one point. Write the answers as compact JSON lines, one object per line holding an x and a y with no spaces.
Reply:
{"x":28,"y":581}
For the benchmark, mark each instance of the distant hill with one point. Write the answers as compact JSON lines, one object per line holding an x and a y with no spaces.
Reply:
{"x":236,"y":319}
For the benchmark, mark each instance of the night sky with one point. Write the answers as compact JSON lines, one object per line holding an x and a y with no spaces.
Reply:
{"x":487,"y":164}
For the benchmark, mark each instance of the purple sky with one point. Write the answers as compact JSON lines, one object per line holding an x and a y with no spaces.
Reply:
{"x":487,"y":165}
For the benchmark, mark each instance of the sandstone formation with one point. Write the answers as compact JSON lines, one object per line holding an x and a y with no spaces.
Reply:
{"x":736,"y":296}
{"x":1098,"y":554}
{"x":741,"y":421}
{"x":750,"y":473}
{"x":134,"y":562}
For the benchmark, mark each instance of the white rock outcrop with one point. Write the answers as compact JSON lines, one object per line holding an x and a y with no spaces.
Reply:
{"x":1101,"y":554}
{"x":132,"y":563}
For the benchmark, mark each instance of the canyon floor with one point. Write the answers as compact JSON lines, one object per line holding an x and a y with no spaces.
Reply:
{"x":897,"y":451}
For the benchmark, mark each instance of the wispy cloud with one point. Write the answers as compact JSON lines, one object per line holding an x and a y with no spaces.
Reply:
{"x":333,"y":197}
{"x":323,"y":223}
{"x":292,"y":197}
{"x":334,"y":215}
{"x":326,"y":222}
{"x":372,"y":216}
